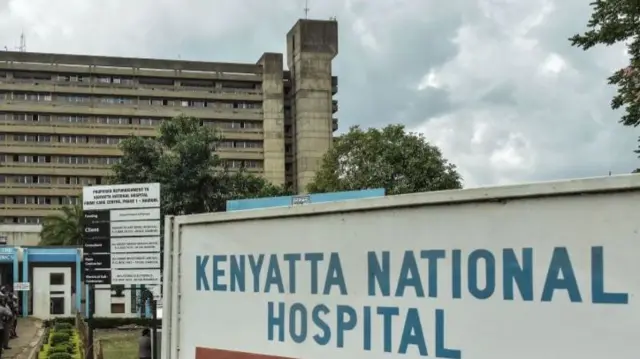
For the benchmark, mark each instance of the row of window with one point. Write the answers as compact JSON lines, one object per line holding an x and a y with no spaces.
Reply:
{"x":243,"y":163}
{"x":68,"y":160}
{"x":103,"y":140}
{"x":130,"y":101}
{"x":100,"y":140}
{"x":240,"y":144}
{"x":125,"y":81}
{"x":59,"y":180}
{"x":21,"y":220}
{"x":118,"y":120}
{"x":101,"y":160}
{"x":40,"y":200}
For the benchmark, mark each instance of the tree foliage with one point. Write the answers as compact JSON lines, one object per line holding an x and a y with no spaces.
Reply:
{"x":612,"y":22}
{"x":390,"y":158}
{"x":64,"y":228}
{"x":193,"y":178}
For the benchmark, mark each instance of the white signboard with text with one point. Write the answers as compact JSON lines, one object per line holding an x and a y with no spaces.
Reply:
{"x":144,"y":195}
{"x":455,"y":275}
{"x":122,"y":234}
{"x":21,"y":286}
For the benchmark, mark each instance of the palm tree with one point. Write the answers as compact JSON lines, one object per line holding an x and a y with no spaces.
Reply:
{"x":63,"y":229}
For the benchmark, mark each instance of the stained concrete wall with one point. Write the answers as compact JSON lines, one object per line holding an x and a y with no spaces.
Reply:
{"x":273,"y":117}
{"x":21,"y":234}
{"x":311,"y":47}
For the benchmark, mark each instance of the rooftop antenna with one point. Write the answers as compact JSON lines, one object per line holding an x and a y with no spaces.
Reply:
{"x":306,"y":8}
{"x":23,"y":42}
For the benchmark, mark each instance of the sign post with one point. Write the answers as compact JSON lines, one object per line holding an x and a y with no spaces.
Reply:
{"x":121,"y":225}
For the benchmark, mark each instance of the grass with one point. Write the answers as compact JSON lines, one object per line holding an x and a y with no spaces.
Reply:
{"x":117,"y":344}
{"x":44,"y":351}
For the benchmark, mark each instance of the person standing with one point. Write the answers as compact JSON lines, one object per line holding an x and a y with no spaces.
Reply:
{"x":5,"y":317}
{"x":144,"y":344}
{"x":15,"y":307}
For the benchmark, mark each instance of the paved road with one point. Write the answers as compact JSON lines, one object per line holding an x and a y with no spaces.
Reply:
{"x":28,"y":335}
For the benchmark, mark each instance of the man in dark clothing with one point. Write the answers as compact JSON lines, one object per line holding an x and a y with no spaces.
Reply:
{"x":144,"y":345}
{"x":12,"y":305}
{"x":15,"y":307}
{"x":5,"y":318}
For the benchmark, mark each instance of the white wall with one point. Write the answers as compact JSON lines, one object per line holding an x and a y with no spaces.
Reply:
{"x":42,"y":288}
{"x":103,"y":300}
{"x":575,"y":259}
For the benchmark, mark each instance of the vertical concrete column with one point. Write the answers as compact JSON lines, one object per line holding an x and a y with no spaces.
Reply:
{"x":311,"y":47}
{"x":273,"y":117}
{"x":16,"y":264}
{"x":87,"y":300}
{"x":25,"y":278}
{"x":78,"y":285}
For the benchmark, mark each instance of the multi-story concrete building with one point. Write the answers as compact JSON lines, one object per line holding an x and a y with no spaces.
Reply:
{"x":62,"y":116}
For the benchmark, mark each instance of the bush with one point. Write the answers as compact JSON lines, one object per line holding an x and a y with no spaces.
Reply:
{"x":76,"y":348}
{"x":59,"y":338}
{"x":52,"y":322}
{"x":60,"y":348}
{"x":46,"y":336}
{"x":111,"y":323}
{"x":63,"y":326}
{"x":69,"y":332}
{"x":60,"y":356}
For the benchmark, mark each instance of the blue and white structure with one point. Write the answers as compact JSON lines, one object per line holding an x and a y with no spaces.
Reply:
{"x":314,"y":198}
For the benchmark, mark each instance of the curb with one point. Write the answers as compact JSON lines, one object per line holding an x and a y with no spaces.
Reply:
{"x":31,"y":351}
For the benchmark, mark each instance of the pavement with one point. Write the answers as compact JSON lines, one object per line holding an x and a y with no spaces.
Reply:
{"x":27,"y":344}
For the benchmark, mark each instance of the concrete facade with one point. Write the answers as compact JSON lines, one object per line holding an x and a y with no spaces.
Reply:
{"x":311,"y":47}
{"x":20,"y":234}
{"x":62,"y":116}
{"x":273,"y":117}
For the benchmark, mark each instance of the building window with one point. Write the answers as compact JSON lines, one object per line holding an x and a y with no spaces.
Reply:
{"x":117,"y":308}
{"x":134,"y":299}
{"x":252,"y":164}
{"x":117,"y":291}
{"x":57,"y":306}
{"x":56,"y":279}
{"x":69,"y":200}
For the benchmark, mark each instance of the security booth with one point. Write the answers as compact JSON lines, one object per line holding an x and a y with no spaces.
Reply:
{"x":54,"y":275}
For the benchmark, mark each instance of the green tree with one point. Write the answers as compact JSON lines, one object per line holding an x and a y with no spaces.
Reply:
{"x":193,"y":178}
{"x":390,"y":158}
{"x":612,"y":22}
{"x":64,"y":228}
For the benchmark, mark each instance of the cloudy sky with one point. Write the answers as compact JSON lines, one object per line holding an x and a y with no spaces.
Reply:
{"x":494,"y":83}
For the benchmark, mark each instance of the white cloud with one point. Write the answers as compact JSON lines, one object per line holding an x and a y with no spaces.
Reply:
{"x":553,"y":64}
{"x":495,"y":83}
{"x":429,"y":80}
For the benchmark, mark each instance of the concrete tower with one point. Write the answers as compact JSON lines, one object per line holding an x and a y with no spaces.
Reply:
{"x":273,"y":118}
{"x":311,"y":46}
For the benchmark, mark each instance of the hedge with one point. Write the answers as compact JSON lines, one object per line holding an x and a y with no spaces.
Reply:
{"x":105,"y":322}
{"x":61,"y":341}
